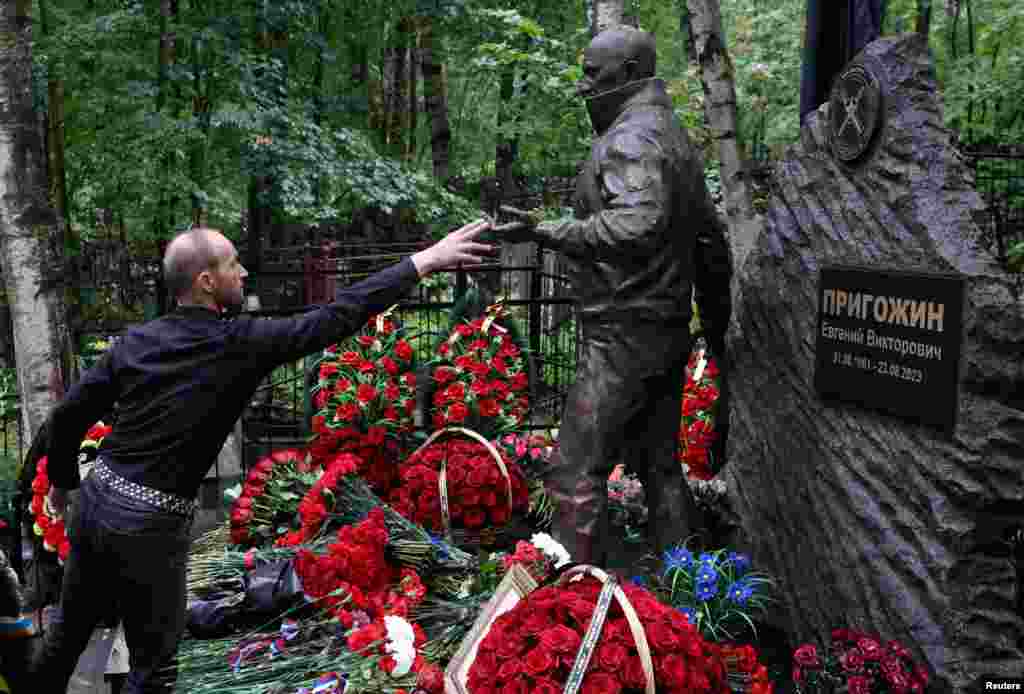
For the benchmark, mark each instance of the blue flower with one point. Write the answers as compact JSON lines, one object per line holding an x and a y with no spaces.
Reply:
{"x":706,"y":590}
{"x":740,"y":592}
{"x":435,"y":540}
{"x":691,"y":614}
{"x":639,"y":581}
{"x":740,"y":562}
{"x":677,"y":558}
{"x":707,"y":573}
{"x":706,"y":558}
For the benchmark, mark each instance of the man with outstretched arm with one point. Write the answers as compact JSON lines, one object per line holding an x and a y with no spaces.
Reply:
{"x":180,"y":382}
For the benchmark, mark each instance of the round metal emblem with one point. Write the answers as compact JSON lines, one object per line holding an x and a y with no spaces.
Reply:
{"x":855,"y":112}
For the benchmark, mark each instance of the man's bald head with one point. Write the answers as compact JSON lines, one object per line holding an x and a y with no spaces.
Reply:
{"x":625,"y":43}
{"x":190,"y":253}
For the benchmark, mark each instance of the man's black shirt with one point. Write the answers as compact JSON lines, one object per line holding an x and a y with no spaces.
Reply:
{"x":182,"y":381}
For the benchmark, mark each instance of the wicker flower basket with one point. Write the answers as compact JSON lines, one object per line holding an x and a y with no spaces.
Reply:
{"x":466,"y":537}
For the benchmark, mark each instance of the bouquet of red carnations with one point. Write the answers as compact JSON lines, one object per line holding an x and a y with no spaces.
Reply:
{"x":697,"y":428}
{"x":51,"y":527}
{"x":463,"y":484}
{"x":481,"y":379}
{"x":534,"y":646}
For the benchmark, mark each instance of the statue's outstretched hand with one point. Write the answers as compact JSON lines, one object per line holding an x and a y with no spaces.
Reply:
{"x":518,"y":231}
{"x":456,"y":249}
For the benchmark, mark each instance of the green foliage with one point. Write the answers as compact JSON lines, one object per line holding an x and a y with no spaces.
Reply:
{"x":1015,"y":257}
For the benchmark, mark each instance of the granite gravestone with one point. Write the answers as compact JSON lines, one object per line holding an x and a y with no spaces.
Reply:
{"x":874,"y":519}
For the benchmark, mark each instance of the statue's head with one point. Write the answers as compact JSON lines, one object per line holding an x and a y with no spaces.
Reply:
{"x":615,"y":65}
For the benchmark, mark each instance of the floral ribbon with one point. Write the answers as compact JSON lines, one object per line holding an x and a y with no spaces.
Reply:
{"x":612,"y":588}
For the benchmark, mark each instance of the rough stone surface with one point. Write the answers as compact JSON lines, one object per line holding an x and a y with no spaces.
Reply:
{"x":867,"y":520}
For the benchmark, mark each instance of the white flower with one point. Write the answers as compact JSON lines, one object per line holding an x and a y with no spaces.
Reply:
{"x":551,"y":547}
{"x":400,"y":645}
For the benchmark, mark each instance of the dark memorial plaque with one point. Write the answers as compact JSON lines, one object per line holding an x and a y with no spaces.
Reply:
{"x":890,"y":341}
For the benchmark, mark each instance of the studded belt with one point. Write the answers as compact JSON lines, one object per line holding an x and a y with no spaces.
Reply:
{"x":165,"y":501}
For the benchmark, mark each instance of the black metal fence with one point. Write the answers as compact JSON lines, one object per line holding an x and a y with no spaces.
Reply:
{"x":999,"y":178}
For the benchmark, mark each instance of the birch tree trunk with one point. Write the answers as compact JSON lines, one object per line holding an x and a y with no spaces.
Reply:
{"x":716,"y":75}
{"x":607,"y":13}
{"x":30,"y":230}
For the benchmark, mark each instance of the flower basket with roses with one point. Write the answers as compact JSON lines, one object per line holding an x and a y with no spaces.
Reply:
{"x":697,"y":427}
{"x":48,"y":525}
{"x":263,"y":507}
{"x":857,"y":663}
{"x":479,"y":378}
{"x":365,"y":398}
{"x":588,"y":634}
{"x":716,"y":590}
{"x":532,"y":453}
{"x":463,"y":488}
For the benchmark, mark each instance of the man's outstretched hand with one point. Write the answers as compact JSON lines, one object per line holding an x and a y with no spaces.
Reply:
{"x":457,"y":248}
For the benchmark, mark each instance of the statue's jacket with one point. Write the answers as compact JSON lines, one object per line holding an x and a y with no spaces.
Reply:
{"x":644,"y":228}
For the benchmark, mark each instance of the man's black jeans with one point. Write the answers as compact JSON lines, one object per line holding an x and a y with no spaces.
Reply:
{"x":127,"y":558}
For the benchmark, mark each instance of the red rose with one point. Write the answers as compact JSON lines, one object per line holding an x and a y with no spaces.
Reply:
{"x":851,"y":660}
{"x":546,"y":686}
{"x":342,"y":385}
{"x":403,"y":350}
{"x":351,"y":358}
{"x":444,"y":374}
{"x":456,"y":391}
{"x":898,"y":649}
{"x":239,"y":535}
{"x":869,"y":648}
{"x":612,"y":656}
{"x":327,"y":370}
{"x":858,"y":684}
{"x":807,"y":656}
{"x":365,"y":392}
{"x":511,"y":647}
{"x":601,"y":683}
{"x":500,"y":515}
{"x":519,"y":381}
{"x":662,"y":637}
{"x":240,"y":516}
{"x":366,"y":366}
{"x":921,"y":674}
{"x":457,"y":413}
{"x":538,"y":662}
{"x":560,"y":639}
{"x":489,"y":407}
{"x":347,"y":412}
{"x":243,"y":502}
{"x":671,"y":670}
{"x":891,"y":664}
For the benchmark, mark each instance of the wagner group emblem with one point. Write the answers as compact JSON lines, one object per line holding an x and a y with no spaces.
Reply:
{"x":855,"y":112}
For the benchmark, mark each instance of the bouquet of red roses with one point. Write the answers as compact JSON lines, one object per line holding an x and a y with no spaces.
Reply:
{"x":365,"y":399}
{"x":270,"y":495}
{"x":533,"y":647}
{"x":49,"y":527}
{"x":858,"y":663}
{"x":481,"y":487}
{"x":481,"y":379}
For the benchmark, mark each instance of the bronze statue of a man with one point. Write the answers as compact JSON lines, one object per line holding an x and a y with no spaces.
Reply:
{"x":644,"y":235}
